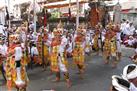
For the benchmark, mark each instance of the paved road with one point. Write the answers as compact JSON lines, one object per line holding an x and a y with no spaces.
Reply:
{"x":97,"y":76}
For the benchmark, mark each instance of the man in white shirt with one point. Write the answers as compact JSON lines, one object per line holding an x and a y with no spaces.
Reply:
{"x":120,"y":84}
{"x":130,"y":73}
{"x":131,"y":28}
{"x":130,"y":41}
{"x":18,"y":55}
{"x":127,"y":29}
{"x":33,"y":53}
{"x":123,"y":25}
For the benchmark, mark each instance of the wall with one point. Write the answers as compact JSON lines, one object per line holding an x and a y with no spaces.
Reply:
{"x":2,"y":17}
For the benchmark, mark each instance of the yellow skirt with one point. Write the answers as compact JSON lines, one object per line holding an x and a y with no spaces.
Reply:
{"x":54,"y":62}
{"x":46,"y":51}
{"x":78,"y":56}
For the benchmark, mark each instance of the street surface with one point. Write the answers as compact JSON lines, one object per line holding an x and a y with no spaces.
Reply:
{"x":97,"y":75}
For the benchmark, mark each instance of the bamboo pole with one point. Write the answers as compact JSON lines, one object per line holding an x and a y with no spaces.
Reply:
{"x":77,"y":17}
{"x":35,"y":17}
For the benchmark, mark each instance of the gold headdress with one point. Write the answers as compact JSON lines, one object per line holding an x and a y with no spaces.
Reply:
{"x":14,"y":38}
{"x":60,"y":28}
{"x":79,"y":29}
{"x":60,"y":24}
{"x":18,"y":30}
{"x":98,"y":26}
{"x":110,"y":26}
{"x":45,"y":29}
{"x":55,"y":32}
{"x":83,"y":25}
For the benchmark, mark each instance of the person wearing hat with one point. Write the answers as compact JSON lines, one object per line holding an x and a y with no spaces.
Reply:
{"x":3,"y":53}
{"x":58,"y":62}
{"x":15,"y":66}
{"x":131,"y":28}
{"x":63,"y":63}
{"x":97,"y":38}
{"x":106,"y":47}
{"x":120,"y":84}
{"x":78,"y":51}
{"x":130,"y":41}
{"x":130,"y":73}
{"x":110,"y":45}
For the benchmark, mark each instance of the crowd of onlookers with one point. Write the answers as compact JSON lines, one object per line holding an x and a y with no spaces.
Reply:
{"x":128,"y":33}
{"x":128,"y":80}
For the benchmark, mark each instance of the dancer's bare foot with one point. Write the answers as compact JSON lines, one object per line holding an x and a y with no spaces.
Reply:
{"x":69,"y":84}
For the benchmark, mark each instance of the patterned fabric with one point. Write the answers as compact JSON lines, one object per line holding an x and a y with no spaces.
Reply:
{"x":110,"y":47}
{"x":78,"y":54}
{"x":113,"y":46}
{"x":54,"y":59}
{"x":11,"y":72}
{"x":107,"y":48}
{"x":46,"y":51}
{"x":95,"y":44}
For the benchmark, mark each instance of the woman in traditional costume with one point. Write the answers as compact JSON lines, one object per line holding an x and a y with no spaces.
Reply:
{"x":46,"y":45}
{"x":106,"y":47}
{"x":15,"y":66}
{"x":114,"y":48}
{"x":58,"y":60}
{"x":78,"y":51}
{"x":110,"y":47}
{"x":97,"y":38}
